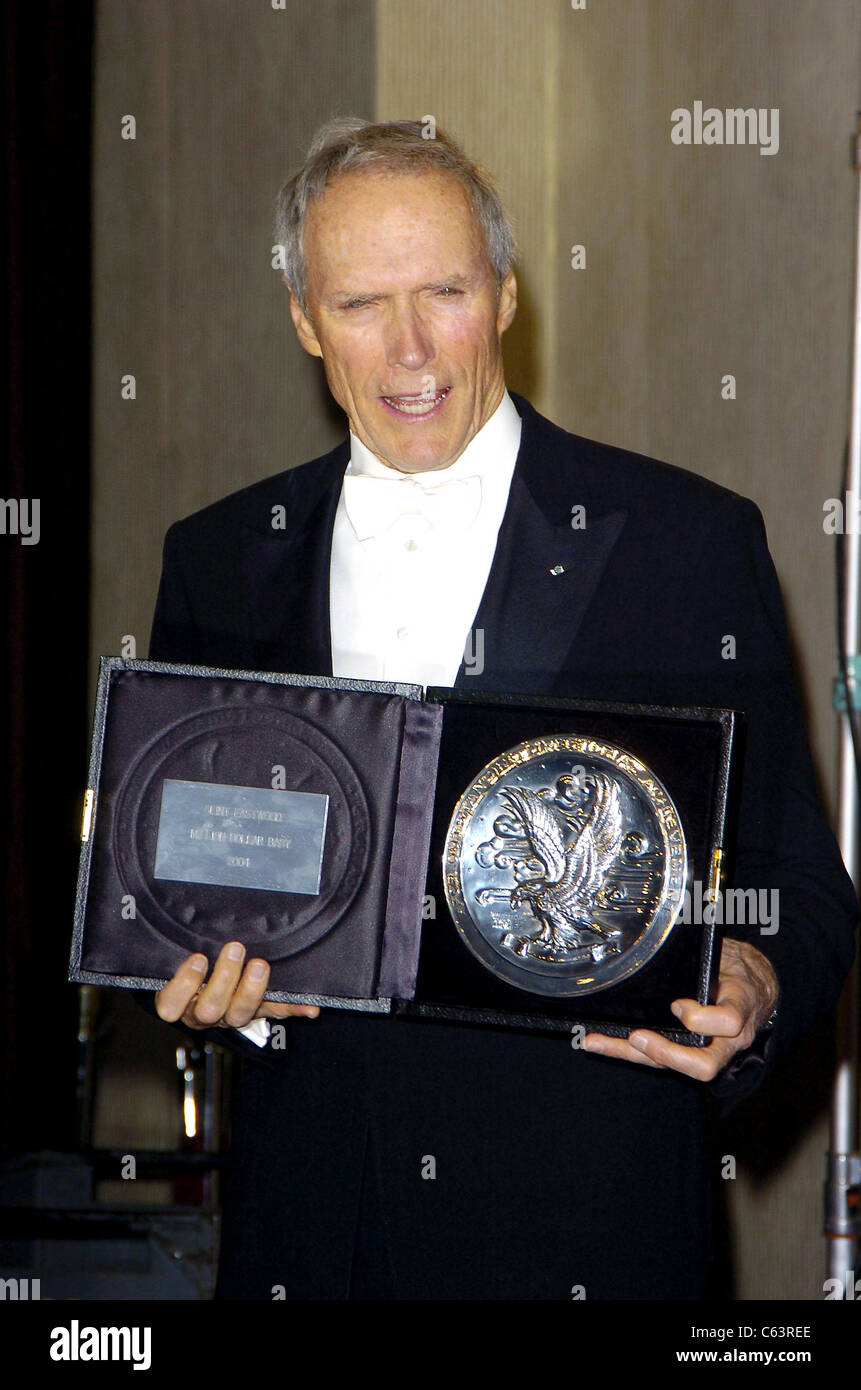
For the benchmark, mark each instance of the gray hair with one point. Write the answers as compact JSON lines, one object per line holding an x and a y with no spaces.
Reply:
{"x":348,"y":143}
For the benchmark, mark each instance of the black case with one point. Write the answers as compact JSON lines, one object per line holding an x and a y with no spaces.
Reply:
{"x":378,"y":936}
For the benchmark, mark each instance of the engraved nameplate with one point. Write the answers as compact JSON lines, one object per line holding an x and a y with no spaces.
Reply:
{"x":242,"y":837}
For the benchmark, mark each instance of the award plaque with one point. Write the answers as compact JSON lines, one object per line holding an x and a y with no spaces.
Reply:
{"x":494,"y":859}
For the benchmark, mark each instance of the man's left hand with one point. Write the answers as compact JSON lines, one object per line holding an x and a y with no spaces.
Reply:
{"x":747,"y":993}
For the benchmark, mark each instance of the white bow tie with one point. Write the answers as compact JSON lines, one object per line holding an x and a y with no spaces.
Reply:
{"x":375,"y":504}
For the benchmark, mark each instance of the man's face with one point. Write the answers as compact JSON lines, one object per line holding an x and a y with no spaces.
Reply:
{"x":405,"y":311}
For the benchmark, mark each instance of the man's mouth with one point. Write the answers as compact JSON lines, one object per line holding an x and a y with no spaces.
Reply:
{"x":418,"y":404}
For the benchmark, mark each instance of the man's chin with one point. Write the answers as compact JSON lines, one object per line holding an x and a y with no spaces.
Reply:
{"x":416,"y":444}
{"x":424,"y":457}
{"x":410,"y":466}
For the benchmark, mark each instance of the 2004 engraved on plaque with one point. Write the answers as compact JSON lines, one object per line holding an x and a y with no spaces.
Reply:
{"x":565,"y":865}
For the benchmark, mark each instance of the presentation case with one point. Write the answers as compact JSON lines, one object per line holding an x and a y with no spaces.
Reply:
{"x":497,"y":859}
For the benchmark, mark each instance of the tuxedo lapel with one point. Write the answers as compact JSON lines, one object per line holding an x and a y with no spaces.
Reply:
{"x":285,"y":572}
{"x":544,"y":572}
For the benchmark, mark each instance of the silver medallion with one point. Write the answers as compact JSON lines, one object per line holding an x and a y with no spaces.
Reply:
{"x":565,"y":865}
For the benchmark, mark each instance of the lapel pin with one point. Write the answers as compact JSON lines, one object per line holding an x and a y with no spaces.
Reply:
{"x":558,"y":569}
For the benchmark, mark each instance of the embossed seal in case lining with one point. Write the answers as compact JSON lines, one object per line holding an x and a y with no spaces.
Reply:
{"x":565,"y":865}
{"x":236,"y":746}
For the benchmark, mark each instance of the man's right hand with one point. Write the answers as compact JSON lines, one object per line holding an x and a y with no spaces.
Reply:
{"x":231,"y":997}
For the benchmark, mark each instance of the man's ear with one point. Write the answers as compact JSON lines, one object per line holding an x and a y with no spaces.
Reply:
{"x":507,"y":302}
{"x":304,"y":328}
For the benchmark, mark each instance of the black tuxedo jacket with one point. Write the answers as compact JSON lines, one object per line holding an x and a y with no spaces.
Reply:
{"x":553,"y":1168}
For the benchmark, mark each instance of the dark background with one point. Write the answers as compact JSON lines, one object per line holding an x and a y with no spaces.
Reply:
{"x":46,"y":423}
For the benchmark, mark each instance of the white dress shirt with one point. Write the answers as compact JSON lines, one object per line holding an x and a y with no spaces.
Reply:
{"x":402,"y":601}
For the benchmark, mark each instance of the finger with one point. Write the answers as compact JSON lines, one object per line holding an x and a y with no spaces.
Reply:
{"x":212,"y":1003}
{"x":643,"y":1046}
{"x":619,"y":1048}
{"x":725,"y":1019}
{"x":270,"y":1010}
{"x":701,"y":1063}
{"x":247,"y":1001}
{"x":172,"y":1001}
{"x":248,"y":995}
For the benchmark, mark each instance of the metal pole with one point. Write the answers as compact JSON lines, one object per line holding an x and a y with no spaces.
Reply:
{"x":843,"y":1173}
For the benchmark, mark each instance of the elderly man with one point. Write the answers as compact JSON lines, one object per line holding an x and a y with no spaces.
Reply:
{"x":555,"y":1169}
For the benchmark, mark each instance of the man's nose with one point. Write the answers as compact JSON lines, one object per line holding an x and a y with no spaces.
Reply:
{"x":408,"y":340}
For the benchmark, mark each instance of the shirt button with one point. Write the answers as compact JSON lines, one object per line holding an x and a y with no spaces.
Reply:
{"x":402,"y":633}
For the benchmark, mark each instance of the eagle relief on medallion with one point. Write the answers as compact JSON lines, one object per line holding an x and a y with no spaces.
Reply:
{"x":565,"y":865}
{"x":576,"y":868}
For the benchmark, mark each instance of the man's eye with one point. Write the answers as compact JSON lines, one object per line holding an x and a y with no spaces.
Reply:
{"x":449,"y":291}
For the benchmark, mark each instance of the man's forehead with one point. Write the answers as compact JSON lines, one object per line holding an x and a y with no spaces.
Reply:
{"x":384,"y":214}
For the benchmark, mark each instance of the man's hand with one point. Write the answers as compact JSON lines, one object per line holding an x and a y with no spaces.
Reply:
{"x":231,"y":996}
{"x":746,"y":996}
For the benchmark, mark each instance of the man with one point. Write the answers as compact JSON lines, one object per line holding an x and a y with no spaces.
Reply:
{"x":446,"y":513}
